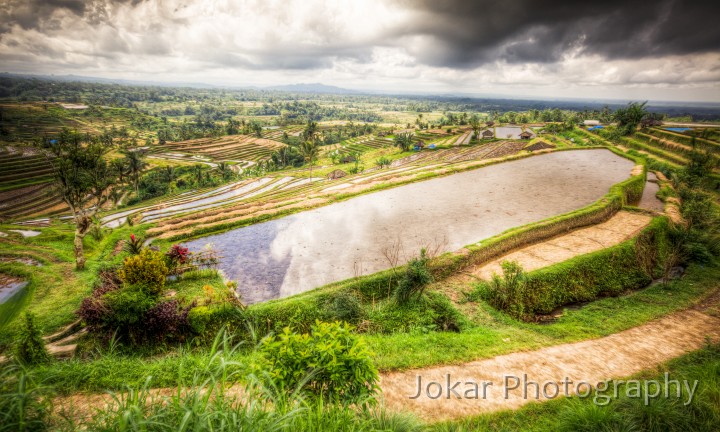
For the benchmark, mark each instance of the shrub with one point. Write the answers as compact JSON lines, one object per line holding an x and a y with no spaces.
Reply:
{"x":344,"y":306}
{"x":127,"y":307}
{"x":135,"y":245}
{"x":417,"y":276}
{"x":507,"y":292}
{"x":29,"y":345}
{"x":177,"y":256}
{"x":166,"y":320}
{"x":147,"y":268}
{"x":330,"y":361}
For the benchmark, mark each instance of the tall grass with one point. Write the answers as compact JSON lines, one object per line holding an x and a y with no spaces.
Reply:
{"x":219,"y":396}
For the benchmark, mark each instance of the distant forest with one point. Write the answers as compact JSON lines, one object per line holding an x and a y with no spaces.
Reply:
{"x":306,"y":105}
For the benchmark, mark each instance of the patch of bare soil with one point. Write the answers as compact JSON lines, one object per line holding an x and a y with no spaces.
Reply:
{"x":612,"y":357}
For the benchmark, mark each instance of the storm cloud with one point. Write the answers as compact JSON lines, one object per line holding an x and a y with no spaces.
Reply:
{"x":462,"y":45}
{"x":465,"y":34}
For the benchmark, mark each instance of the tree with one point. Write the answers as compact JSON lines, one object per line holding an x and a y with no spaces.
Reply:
{"x":311,"y":131}
{"x":170,"y":173}
{"x":309,"y":151}
{"x":135,"y":165}
{"x":404,"y":140}
{"x":81,"y":178}
{"x":629,"y":118}
{"x":224,"y":170}
{"x":475,"y":125}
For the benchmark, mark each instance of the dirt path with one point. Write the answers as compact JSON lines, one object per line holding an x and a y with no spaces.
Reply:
{"x":616,"y":356}
{"x":612,"y":357}
{"x":622,"y":226}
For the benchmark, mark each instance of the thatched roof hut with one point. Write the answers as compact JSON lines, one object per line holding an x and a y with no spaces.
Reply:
{"x":487,"y":133}
{"x":540,"y":145}
{"x":334,"y":175}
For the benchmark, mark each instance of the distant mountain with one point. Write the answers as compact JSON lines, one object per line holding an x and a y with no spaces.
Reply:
{"x":312,"y":88}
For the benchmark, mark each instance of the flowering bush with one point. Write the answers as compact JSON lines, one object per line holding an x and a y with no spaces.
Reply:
{"x":134,"y":246}
{"x":177,"y":257}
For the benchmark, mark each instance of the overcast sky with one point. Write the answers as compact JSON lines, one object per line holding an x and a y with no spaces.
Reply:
{"x":627,"y":49}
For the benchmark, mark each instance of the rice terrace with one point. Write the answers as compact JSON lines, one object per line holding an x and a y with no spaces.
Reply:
{"x":485,"y":219}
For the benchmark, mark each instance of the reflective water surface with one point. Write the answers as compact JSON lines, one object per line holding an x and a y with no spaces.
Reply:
{"x":296,"y":253}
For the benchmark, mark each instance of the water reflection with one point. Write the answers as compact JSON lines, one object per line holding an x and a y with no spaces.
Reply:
{"x":296,"y":253}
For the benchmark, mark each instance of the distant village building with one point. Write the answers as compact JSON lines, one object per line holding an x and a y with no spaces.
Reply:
{"x":540,"y":145}
{"x":526,"y":135}
{"x":487,"y":133}
{"x":591,"y":123}
{"x":336,"y":174}
{"x":348,"y":159}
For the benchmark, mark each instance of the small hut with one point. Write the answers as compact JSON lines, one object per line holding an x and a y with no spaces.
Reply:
{"x":348,"y":159}
{"x":540,"y":145}
{"x":488,"y":134}
{"x":526,"y":135}
{"x":490,"y":124}
{"x":336,"y":174}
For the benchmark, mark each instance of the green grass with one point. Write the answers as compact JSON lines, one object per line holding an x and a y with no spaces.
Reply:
{"x":496,"y":333}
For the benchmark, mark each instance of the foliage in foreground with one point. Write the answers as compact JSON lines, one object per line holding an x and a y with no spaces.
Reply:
{"x":331,"y":362}
{"x":29,"y":345}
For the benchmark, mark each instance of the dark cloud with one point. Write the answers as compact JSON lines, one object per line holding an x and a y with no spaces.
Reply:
{"x":466,"y":34}
{"x":37,"y":14}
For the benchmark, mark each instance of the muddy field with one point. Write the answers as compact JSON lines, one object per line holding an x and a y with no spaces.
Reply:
{"x":306,"y":250}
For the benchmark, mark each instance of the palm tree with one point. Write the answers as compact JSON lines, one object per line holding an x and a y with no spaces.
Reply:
{"x":170,"y":173}
{"x":309,"y":151}
{"x":311,"y":131}
{"x":119,"y":169}
{"x":198,"y":170}
{"x":135,"y":165}
{"x":404,"y":141}
{"x":224,"y":170}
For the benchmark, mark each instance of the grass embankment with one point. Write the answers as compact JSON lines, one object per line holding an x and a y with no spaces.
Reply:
{"x":56,"y":289}
{"x":486,"y":333}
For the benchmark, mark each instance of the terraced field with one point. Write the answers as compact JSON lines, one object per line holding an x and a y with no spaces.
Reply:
{"x":365,"y":143}
{"x":231,"y":147}
{"x":25,"y":122}
{"x":24,"y":185}
{"x":276,"y":134}
{"x":191,"y":214}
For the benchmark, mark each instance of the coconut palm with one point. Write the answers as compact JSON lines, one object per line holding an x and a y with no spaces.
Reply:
{"x":309,"y":151}
{"x":404,"y":141}
{"x":311,"y":131}
{"x":224,"y":170}
{"x":170,"y":173}
{"x":135,"y":165}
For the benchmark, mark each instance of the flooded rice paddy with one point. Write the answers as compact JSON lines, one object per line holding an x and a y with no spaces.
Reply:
{"x":300,"y":252}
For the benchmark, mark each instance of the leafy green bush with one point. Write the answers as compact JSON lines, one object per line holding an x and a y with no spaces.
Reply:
{"x":331,"y":362}
{"x":507,"y":292}
{"x":608,"y":272}
{"x":127,"y":306}
{"x":147,"y":268}
{"x":29,"y":345}
{"x":344,"y":306}
{"x":417,"y":277}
